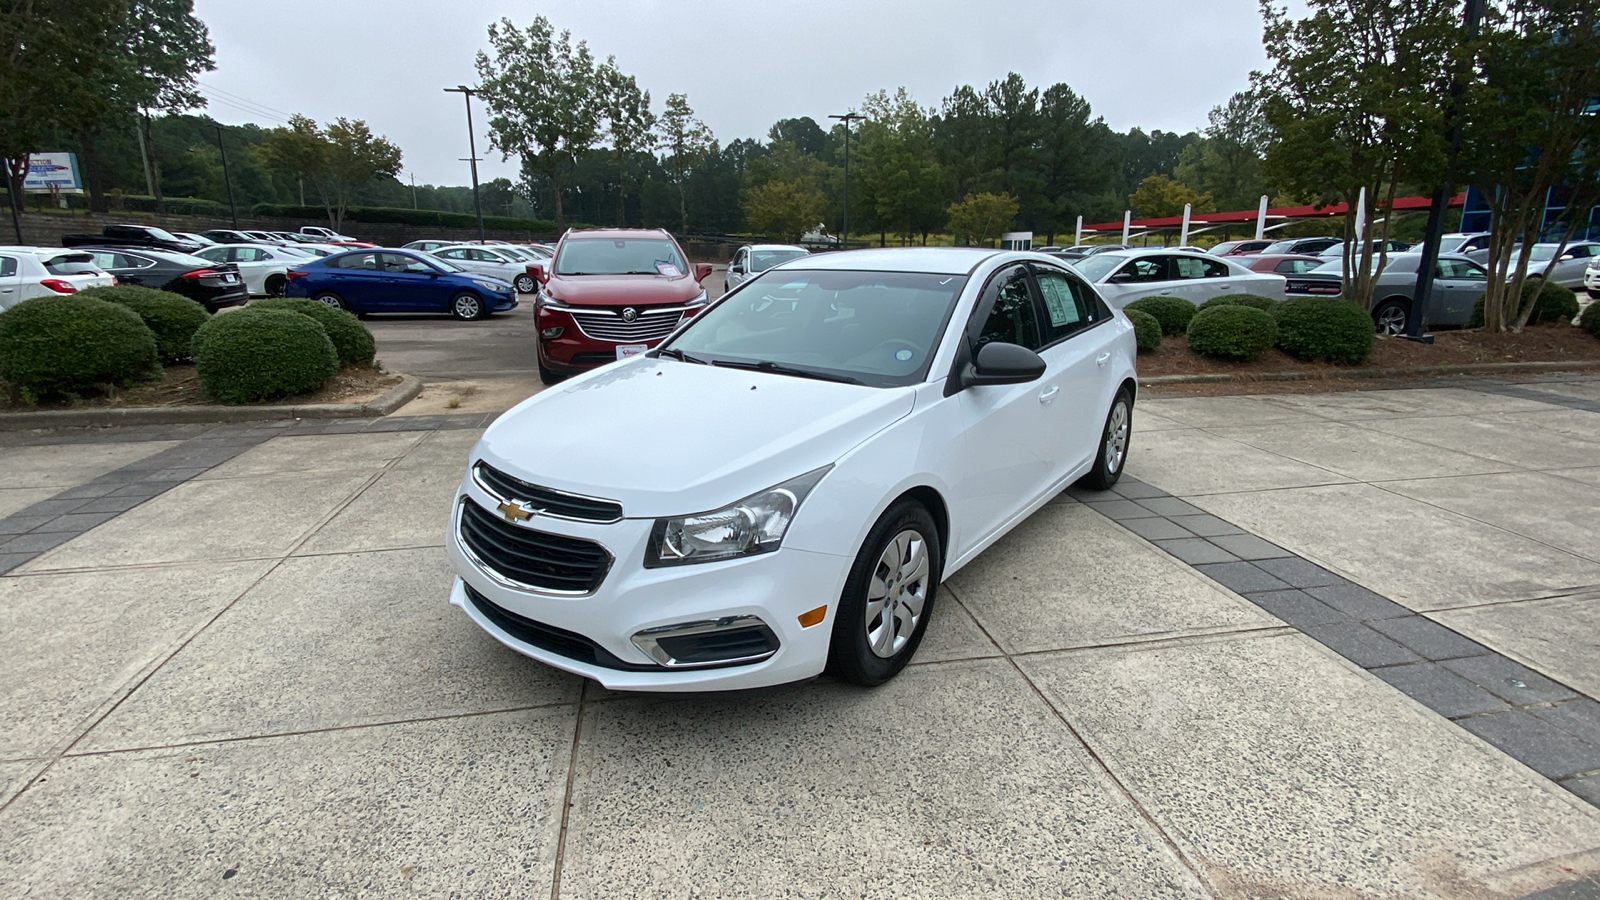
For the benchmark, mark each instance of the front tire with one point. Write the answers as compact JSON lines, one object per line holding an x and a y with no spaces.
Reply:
{"x":1389,"y":317}
{"x":329,"y":298}
{"x":547,"y":375}
{"x":888,"y":598}
{"x":467,"y":306}
{"x":1114,"y":439}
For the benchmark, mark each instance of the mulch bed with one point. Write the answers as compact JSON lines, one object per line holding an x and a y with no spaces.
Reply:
{"x":178,"y":386}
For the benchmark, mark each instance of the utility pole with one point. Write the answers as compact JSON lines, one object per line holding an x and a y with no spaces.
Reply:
{"x":847,"y":118}
{"x":233,"y":210}
{"x":472,"y":149}
{"x":1421,"y":300}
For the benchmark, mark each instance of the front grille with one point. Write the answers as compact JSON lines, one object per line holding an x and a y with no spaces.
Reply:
{"x":559,"y":641}
{"x":652,"y":325}
{"x":546,"y":500}
{"x":536,"y":559}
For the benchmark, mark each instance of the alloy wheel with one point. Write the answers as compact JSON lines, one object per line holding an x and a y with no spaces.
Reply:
{"x":1392,"y":320}
{"x":1117,"y":436}
{"x":467,"y":307}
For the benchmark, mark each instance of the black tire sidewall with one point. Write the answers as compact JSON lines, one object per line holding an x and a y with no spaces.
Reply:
{"x":1377,"y":313}
{"x":481,"y":306}
{"x":849,"y":656}
{"x":1100,"y":477}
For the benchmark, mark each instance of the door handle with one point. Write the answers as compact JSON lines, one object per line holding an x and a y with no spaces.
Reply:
{"x":1045,"y":396}
{"x":1102,"y":359}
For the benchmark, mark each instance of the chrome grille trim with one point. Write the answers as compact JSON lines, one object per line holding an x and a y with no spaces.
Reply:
{"x":607,"y":325}
{"x":491,"y":483}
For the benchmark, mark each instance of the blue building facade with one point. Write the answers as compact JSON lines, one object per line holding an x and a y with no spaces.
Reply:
{"x":1475,"y":216}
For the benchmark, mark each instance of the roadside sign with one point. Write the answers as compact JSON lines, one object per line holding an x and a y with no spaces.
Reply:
{"x":53,"y":173}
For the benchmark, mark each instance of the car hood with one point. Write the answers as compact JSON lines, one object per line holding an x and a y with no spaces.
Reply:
{"x":665,"y":438}
{"x":623,"y":290}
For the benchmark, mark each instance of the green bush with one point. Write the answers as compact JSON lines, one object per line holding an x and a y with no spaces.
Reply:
{"x":1146,"y":330}
{"x":1266,"y":304}
{"x":1553,"y":304}
{"x":1173,"y":313}
{"x":258,"y":354}
{"x":70,"y":345}
{"x":1232,"y":331}
{"x":1325,"y":328}
{"x":1590,"y":320}
{"x":171,"y":317}
{"x":351,"y":339}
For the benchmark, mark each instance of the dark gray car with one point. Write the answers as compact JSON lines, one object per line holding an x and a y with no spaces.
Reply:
{"x":1458,"y":283}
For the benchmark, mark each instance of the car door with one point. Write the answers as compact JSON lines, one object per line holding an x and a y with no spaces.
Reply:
{"x":10,"y":281}
{"x":1457,"y":285}
{"x":410,"y":285}
{"x":355,"y":277}
{"x":1076,"y":352}
{"x":1007,"y":455}
{"x":1201,"y":279}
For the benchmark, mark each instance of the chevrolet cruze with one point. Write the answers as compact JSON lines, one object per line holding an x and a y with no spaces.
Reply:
{"x":778,"y":488}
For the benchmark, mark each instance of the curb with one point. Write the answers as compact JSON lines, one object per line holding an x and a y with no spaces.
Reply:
{"x":392,"y":399}
{"x":1339,"y":374}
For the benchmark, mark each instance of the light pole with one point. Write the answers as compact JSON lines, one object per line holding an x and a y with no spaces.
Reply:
{"x":847,"y":118}
{"x":233,"y":210}
{"x":472,"y":149}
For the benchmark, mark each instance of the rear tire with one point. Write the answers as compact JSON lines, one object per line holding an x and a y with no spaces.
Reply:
{"x":888,"y":598}
{"x":274,"y":285}
{"x":1114,"y":440}
{"x":329,"y":298}
{"x":525,"y":284}
{"x":467,"y":306}
{"x":1391,"y":317}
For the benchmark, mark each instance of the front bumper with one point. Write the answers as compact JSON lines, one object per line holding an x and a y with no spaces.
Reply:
{"x":593,"y":634}
{"x":572,"y":350}
{"x":1591,"y":282}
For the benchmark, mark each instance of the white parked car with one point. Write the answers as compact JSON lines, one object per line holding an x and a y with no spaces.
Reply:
{"x":752,"y":259}
{"x":780,"y":487}
{"x":262,"y":267}
{"x":1127,"y":275}
{"x":324,"y":234}
{"x":495,"y":261}
{"x":28,"y":272}
{"x":1591,"y":278}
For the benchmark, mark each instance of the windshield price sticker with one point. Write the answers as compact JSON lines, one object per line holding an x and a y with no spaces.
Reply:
{"x":667,"y":269}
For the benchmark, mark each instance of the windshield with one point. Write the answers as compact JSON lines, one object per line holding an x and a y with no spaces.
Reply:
{"x":620,"y":256}
{"x":762,"y":260}
{"x":878,"y":328}
{"x":1099,"y":265}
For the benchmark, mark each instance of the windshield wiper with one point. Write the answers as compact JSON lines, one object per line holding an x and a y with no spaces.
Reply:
{"x":767,"y":365}
{"x":679,"y":355}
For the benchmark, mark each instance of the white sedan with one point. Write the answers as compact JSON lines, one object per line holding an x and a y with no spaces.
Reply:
{"x":263,"y":268}
{"x":494,"y":261}
{"x":1127,"y":275}
{"x":28,"y":272}
{"x":780,"y":487}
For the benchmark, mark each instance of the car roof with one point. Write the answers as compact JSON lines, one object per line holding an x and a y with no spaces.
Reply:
{"x":1280,"y":257}
{"x":586,"y":234}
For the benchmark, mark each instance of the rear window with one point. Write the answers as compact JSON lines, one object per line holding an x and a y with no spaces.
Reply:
{"x":71,"y":264}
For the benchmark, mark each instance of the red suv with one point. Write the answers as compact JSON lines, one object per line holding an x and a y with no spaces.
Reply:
{"x":611,"y":293}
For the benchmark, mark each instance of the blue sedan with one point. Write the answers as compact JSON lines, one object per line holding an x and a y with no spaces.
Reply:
{"x":380,"y":281}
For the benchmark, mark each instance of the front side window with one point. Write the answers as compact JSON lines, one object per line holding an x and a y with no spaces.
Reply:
{"x":620,"y":256}
{"x":1010,"y":316}
{"x":878,"y":328}
{"x":1148,"y":268}
{"x":397,"y":262}
{"x":1460,"y":268}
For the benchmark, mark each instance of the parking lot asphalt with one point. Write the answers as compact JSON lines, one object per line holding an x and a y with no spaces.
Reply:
{"x":1315,"y":645}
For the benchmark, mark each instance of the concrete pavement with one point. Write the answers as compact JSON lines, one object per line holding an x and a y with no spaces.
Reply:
{"x":249,"y":682}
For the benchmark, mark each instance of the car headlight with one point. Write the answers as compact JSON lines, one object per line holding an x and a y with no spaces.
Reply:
{"x":549,"y":301}
{"x":698,"y":301}
{"x":754,"y":525}
{"x":495,"y":286}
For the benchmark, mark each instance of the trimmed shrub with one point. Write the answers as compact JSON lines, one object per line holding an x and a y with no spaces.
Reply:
{"x":1232,"y":331}
{"x":70,"y":345}
{"x":351,"y":339}
{"x":1590,"y":320}
{"x":1266,"y":304}
{"x":1173,"y":313}
{"x":258,"y":354}
{"x":1325,"y":328}
{"x":171,"y":317}
{"x":1146,"y":330}
{"x":1553,"y":304}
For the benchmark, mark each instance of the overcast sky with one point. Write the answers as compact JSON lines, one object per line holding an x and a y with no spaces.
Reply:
{"x":1152,"y":64}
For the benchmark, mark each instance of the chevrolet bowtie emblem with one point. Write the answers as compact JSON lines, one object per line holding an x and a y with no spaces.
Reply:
{"x":515,"y":511}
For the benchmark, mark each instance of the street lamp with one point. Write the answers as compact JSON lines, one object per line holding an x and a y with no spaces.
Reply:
{"x":847,"y":118}
{"x":472,"y":150}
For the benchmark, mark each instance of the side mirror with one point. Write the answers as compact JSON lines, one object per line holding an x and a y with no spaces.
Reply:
{"x":1002,"y":363}
{"x":537,"y":270}
{"x":702,"y":271}
{"x":1120,"y":278}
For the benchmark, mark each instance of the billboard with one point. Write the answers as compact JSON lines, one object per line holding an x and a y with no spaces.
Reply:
{"x":52,"y":172}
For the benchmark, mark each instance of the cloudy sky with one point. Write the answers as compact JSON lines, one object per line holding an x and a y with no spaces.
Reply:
{"x":744,"y":65}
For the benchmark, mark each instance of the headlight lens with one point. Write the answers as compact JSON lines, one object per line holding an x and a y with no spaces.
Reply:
{"x":698,"y":301}
{"x":754,"y":525}
{"x":549,"y":301}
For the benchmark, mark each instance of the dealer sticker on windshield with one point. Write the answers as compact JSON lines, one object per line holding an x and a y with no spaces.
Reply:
{"x":626,"y":350}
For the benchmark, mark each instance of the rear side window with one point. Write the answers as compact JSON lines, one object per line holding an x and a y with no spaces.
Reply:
{"x":8,"y":267}
{"x":1192,"y":267}
{"x":1068,"y":307}
{"x":1296,"y":266}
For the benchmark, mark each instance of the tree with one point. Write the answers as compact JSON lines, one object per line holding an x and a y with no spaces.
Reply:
{"x":166,"y":48}
{"x":1159,"y":196}
{"x":299,"y":151}
{"x":1074,"y":158}
{"x":784,"y":209}
{"x":1226,"y":161}
{"x":545,"y":98}
{"x":900,"y":180}
{"x":354,"y":157}
{"x":1355,"y":99}
{"x":1530,"y":125}
{"x":630,"y":125}
{"x":979,"y":216}
{"x":686,"y":141}
{"x":804,"y":133}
